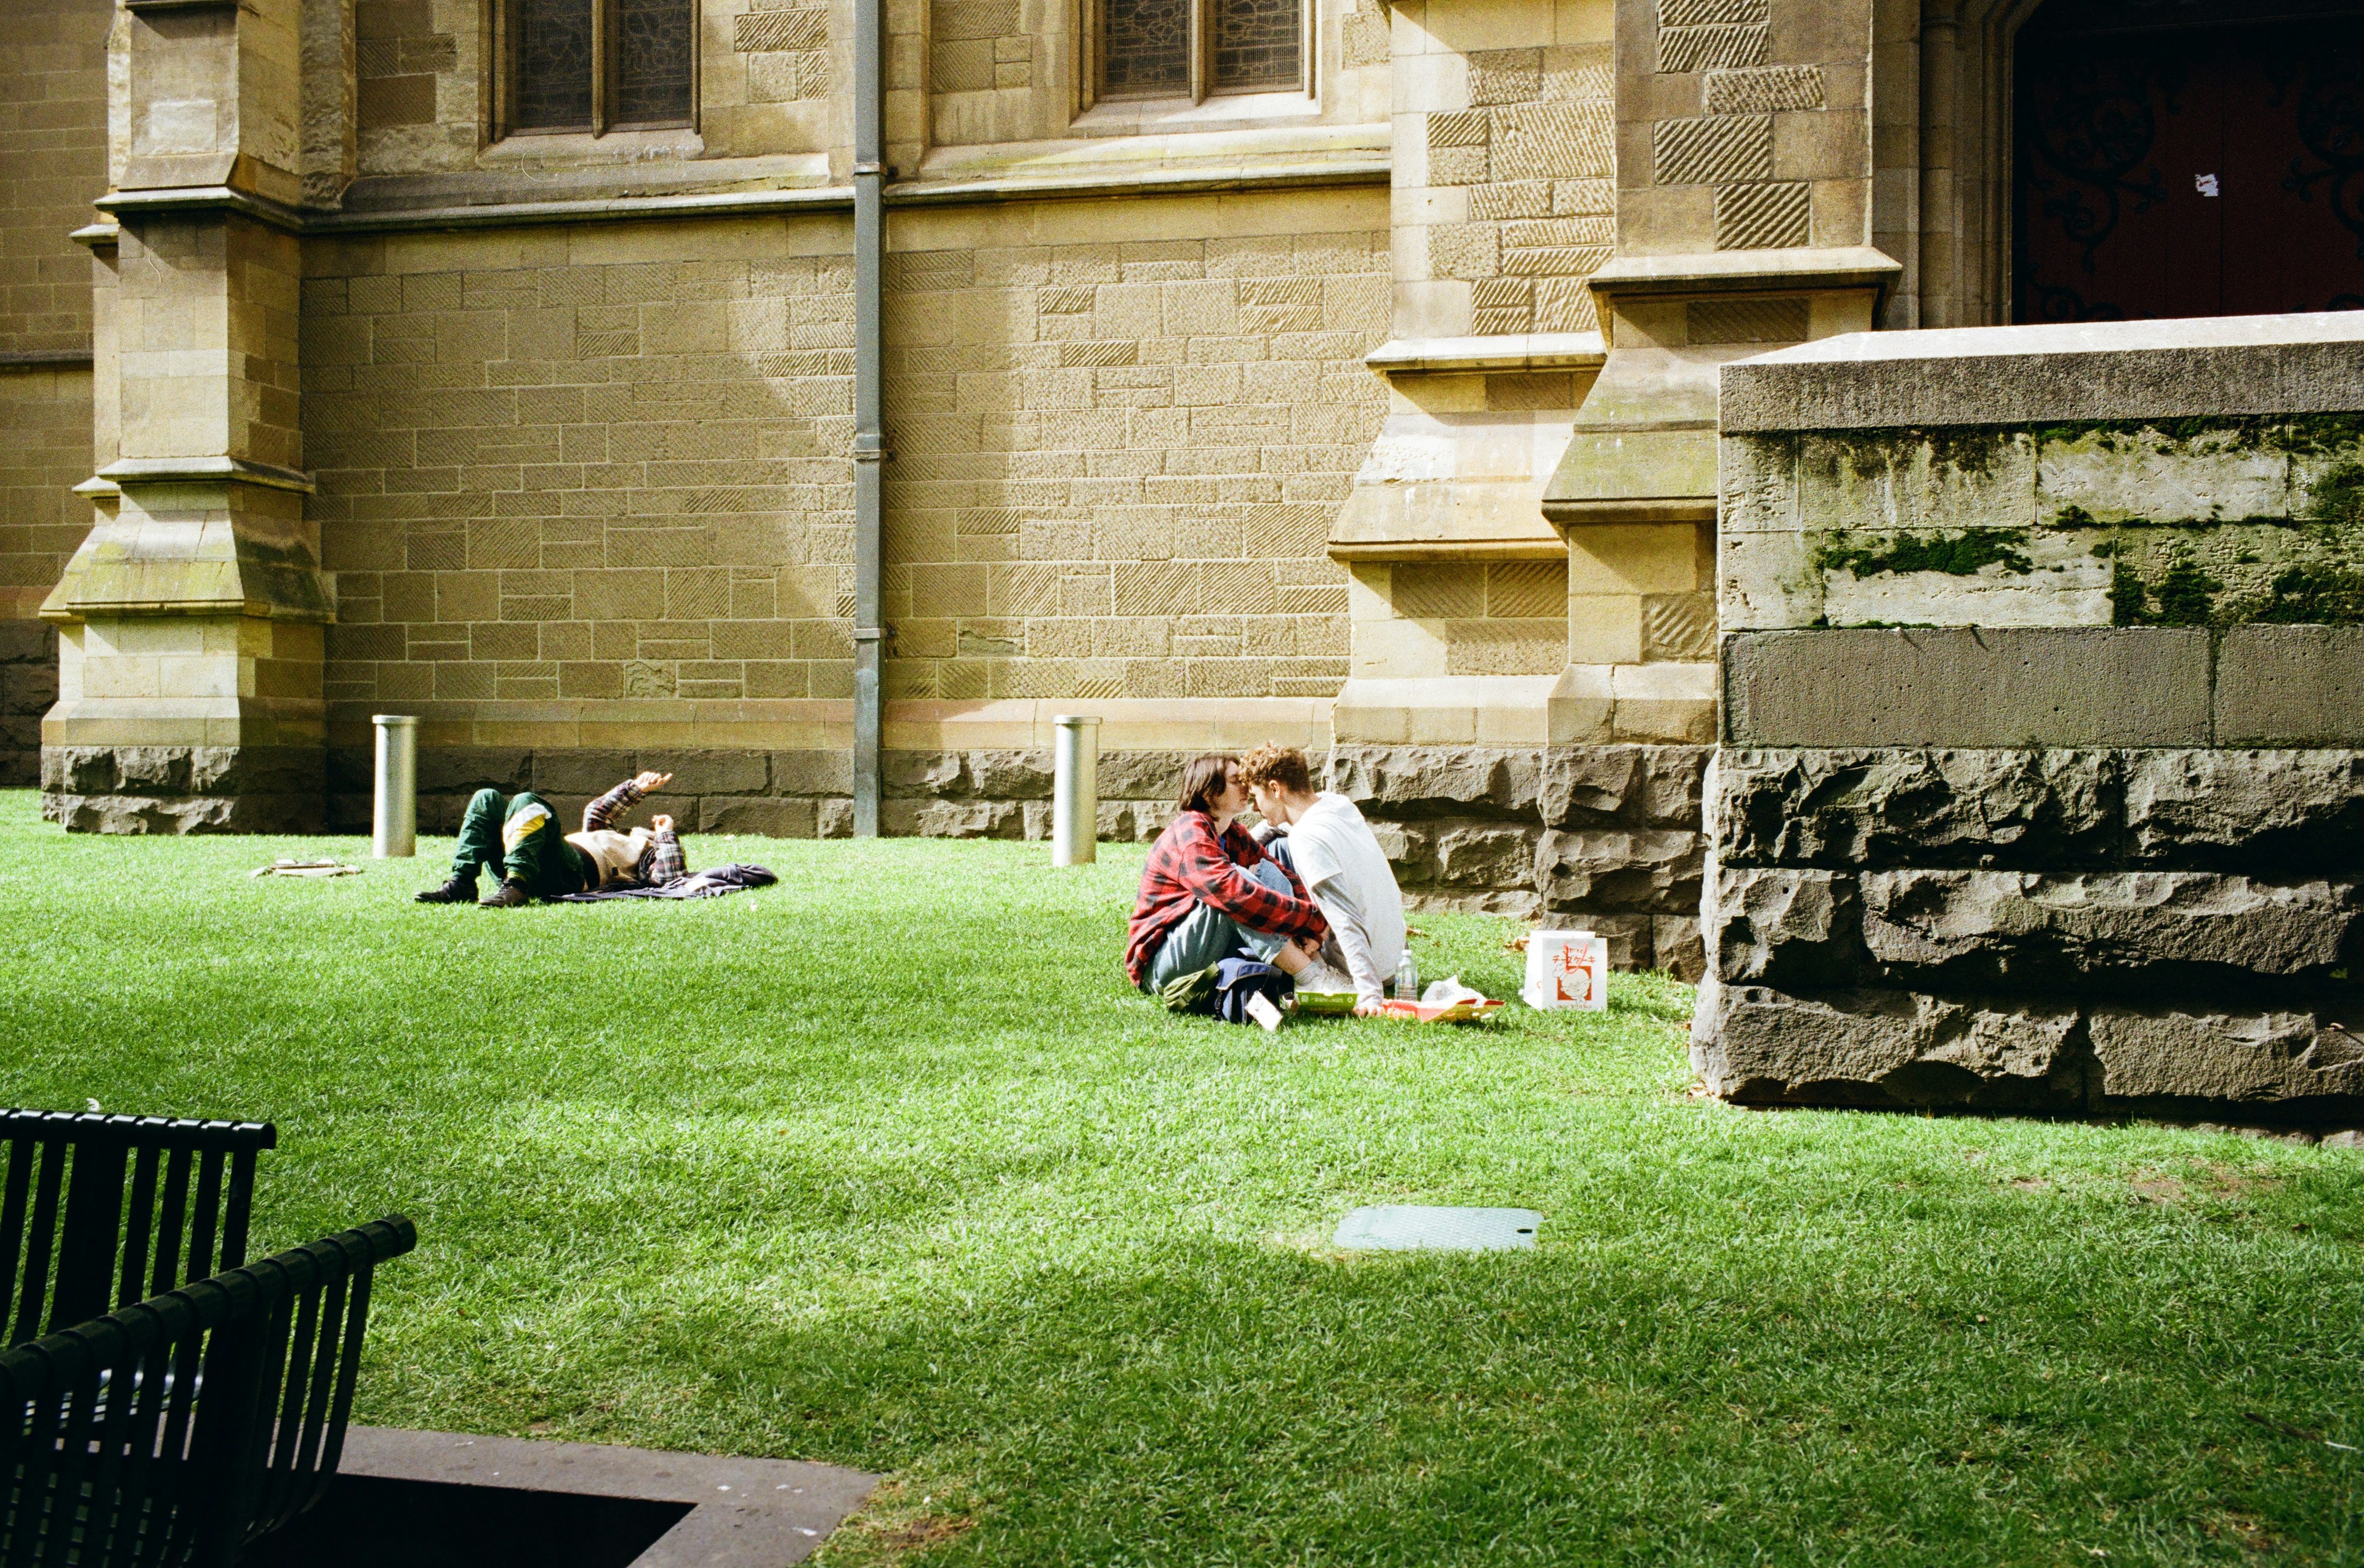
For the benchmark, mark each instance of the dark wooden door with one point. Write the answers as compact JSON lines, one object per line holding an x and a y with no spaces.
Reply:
{"x":2191,"y":171}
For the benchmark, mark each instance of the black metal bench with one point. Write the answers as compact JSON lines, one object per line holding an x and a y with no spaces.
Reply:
{"x":102,"y":1211}
{"x":173,"y":1431}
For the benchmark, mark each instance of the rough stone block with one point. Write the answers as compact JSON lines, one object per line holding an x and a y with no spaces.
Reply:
{"x":923,"y":775}
{"x":464,"y":770}
{"x":1760,"y":1046}
{"x":2290,"y":685}
{"x":1141,"y":775}
{"x":836,"y":818}
{"x":1968,"y":686}
{"x":2300,"y":811}
{"x":1012,"y":775}
{"x":1645,"y":870}
{"x":2027,"y":929}
{"x":77,"y":770}
{"x":27,"y":688}
{"x":2303,"y":1063}
{"x":584,"y":773}
{"x":1484,"y":855}
{"x":913,"y":818}
{"x":813,"y":772}
{"x":27,"y":643}
{"x":185,"y":812}
{"x":1589,"y":784}
{"x":712,"y":773}
{"x":1856,"y":807}
{"x":1437,"y":781}
{"x":763,"y":816}
{"x":1796,"y":930}
{"x":1677,"y":947}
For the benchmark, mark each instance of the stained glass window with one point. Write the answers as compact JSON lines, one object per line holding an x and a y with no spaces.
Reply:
{"x":553,"y":65}
{"x":1147,"y":48}
{"x":653,"y":58}
{"x":1255,"y":43}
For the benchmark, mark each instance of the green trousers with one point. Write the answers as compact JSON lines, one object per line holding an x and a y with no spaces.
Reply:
{"x":519,"y":838}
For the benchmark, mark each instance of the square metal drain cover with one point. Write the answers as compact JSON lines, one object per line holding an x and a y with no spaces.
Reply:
{"x":1407,"y":1226}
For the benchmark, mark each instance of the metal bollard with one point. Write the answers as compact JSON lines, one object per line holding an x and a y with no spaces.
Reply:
{"x":394,"y":816}
{"x":1075,"y":791}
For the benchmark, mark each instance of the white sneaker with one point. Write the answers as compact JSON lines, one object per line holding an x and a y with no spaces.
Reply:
{"x":1318,"y":977}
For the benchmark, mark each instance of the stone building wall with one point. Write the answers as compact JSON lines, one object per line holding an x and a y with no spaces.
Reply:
{"x":2080,"y":834}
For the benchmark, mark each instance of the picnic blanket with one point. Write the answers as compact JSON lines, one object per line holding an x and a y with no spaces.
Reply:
{"x":711,"y":882}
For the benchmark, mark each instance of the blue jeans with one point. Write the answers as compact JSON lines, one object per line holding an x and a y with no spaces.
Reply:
{"x":1206,"y":935}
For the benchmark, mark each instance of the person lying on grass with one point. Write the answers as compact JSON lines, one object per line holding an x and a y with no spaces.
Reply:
{"x":1322,"y":839}
{"x":520,"y":836}
{"x":1209,"y":893}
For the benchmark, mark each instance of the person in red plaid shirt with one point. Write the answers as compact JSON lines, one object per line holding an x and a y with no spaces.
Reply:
{"x":1210,"y":893}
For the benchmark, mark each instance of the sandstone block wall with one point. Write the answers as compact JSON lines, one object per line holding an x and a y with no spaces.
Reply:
{"x":2081,"y":834}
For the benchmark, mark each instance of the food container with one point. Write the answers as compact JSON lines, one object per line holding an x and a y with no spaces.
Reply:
{"x":1567,"y":969}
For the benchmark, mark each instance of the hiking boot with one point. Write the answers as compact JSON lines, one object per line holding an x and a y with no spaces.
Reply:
{"x":508,"y":895}
{"x":459,"y":890}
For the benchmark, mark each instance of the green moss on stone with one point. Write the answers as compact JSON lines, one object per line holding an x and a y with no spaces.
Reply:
{"x":2315,"y":595}
{"x":2338,"y":495}
{"x":2186,"y":596}
{"x":1957,"y":555}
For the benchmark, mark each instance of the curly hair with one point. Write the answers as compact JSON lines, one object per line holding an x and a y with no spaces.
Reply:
{"x":1273,"y":764}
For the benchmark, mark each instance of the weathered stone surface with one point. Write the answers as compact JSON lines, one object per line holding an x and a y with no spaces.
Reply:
{"x":2026,"y":929}
{"x":1887,"y":806}
{"x":1797,"y":931}
{"x":1437,"y":781}
{"x":2308,"y":1064}
{"x":1758,"y":1045}
{"x":462,"y":769}
{"x":1142,"y":775}
{"x":763,"y":816}
{"x":184,"y":814}
{"x":813,"y":772}
{"x":922,"y":773}
{"x":1517,"y":903}
{"x":1970,"y":686}
{"x":1012,"y":775}
{"x":2290,"y":685}
{"x":1646,"y":870}
{"x":1484,"y":855}
{"x":2295,"y":810}
{"x":915,"y":817}
{"x":1587,"y":784}
{"x":27,"y":643}
{"x":1411,"y":849}
{"x":584,"y":773}
{"x":1676,"y":946}
{"x":707,"y":772}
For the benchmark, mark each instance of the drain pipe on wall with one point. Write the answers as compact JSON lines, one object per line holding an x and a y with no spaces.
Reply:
{"x":869,"y":423}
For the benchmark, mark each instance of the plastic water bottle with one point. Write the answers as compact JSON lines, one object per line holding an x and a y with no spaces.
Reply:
{"x":1407,"y":987}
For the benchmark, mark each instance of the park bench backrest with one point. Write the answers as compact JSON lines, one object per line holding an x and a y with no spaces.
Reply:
{"x":172,"y":1432}
{"x":101,"y":1211}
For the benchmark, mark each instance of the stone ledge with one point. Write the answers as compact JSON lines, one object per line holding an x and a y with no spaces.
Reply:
{"x":2203,"y":367}
{"x":1967,"y":687}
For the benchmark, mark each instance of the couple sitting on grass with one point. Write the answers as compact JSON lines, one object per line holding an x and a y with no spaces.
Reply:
{"x":1314,"y":898}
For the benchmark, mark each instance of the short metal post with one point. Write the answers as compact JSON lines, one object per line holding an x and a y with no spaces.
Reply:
{"x":394,"y":816}
{"x":1075,"y":791}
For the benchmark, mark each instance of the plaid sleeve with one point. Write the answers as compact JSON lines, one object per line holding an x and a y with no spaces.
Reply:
{"x":604,"y":810}
{"x":1212,"y":869}
{"x":664,"y":863}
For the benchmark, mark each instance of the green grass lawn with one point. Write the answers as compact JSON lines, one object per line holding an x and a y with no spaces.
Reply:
{"x":886,"y":1166}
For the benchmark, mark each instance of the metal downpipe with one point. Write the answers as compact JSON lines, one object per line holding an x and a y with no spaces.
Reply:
{"x":869,"y":421}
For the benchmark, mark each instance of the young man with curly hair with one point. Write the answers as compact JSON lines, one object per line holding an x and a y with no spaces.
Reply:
{"x":1329,"y":846}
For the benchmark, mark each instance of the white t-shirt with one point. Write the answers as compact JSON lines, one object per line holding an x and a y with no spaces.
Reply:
{"x":1342,"y":864}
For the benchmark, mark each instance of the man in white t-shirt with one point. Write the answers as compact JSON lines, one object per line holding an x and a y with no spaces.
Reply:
{"x":1333,"y":852}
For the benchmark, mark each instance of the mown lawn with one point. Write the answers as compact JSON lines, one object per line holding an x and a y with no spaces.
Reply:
{"x":886,"y":1166}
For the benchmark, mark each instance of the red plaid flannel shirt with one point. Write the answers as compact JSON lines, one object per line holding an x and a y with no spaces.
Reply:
{"x":662,"y":863}
{"x":1188,"y":865}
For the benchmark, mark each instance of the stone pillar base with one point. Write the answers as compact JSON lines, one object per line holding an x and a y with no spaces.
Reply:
{"x":184,"y":789}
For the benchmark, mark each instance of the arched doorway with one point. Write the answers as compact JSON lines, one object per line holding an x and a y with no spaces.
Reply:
{"x":2188,"y":158}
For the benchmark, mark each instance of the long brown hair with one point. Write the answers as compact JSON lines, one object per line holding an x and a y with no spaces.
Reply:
{"x":1203,"y":780}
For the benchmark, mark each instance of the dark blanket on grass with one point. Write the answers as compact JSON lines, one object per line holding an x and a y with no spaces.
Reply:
{"x":711,"y":882}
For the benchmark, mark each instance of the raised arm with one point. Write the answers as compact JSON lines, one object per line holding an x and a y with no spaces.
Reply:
{"x":602,"y":813}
